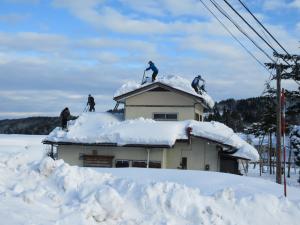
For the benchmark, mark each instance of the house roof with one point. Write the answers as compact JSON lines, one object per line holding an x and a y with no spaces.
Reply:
{"x":171,"y":83}
{"x":105,"y":129}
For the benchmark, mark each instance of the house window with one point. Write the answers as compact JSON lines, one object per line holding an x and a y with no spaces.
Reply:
{"x":97,"y":160}
{"x":165,"y":116}
{"x":122,"y":163}
{"x":141,"y":164}
{"x":154,"y":164}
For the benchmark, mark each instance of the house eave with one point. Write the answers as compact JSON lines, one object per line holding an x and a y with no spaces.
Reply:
{"x":104,"y":144}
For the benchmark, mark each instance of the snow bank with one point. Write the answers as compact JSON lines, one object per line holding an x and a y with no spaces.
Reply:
{"x":104,"y":128}
{"x":172,"y":81}
{"x":65,"y":194}
{"x":51,"y":192}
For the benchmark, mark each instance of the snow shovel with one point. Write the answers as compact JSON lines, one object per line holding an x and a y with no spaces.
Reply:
{"x":85,"y":109}
{"x":143,"y":80}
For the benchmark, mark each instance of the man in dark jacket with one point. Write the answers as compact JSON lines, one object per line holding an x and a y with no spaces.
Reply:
{"x":154,"y":70}
{"x":91,"y":103}
{"x":64,"y":116}
{"x":196,"y":86}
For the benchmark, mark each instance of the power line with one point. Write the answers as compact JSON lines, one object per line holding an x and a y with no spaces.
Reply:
{"x":249,"y":25}
{"x":257,"y":20}
{"x":233,"y":36}
{"x":220,"y":9}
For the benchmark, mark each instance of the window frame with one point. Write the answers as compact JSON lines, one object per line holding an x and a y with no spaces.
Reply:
{"x":165,"y":116}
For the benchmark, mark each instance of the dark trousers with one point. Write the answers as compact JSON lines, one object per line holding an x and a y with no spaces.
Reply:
{"x":196,"y":88}
{"x":154,"y":76}
{"x":92,"y":108}
{"x":64,"y":123}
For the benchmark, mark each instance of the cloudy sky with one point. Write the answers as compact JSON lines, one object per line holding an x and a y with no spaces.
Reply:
{"x":53,"y":53}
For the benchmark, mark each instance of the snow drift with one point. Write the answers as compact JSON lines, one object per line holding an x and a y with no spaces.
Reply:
{"x":104,"y":128}
{"x":43,"y":191}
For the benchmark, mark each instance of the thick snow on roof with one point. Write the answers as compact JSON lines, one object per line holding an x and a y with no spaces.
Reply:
{"x":172,"y":81}
{"x":105,"y":128}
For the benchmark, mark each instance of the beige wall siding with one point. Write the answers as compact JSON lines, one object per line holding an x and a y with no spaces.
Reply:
{"x":184,"y":113}
{"x":160,"y":98}
{"x":198,"y":154}
{"x":199,"y":109}
{"x":71,"y":153}
{"x":147,"y":103}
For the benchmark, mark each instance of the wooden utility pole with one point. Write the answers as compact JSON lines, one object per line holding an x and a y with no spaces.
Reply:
{"x":278,"y":127}
{"x":270,"y":152}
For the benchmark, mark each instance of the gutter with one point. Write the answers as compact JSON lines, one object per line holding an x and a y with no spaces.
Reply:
{"x":105,"y":144}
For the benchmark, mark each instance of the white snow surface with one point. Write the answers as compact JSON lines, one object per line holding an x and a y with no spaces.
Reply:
{"x":105,"y":128}
{"x":174,"y":81}
{"x":42,"y":191}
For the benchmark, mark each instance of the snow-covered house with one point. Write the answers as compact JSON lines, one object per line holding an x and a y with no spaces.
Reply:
{"x":161,"y":130}
{"x":169,"y":98}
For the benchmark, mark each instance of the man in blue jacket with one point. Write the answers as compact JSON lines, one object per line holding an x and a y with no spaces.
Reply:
{"x":154,"y":70}
{"x":196,"y":86}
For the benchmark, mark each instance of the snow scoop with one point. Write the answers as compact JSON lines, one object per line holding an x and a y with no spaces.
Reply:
{"x":143,"y":80}
{"x":85,"y":109}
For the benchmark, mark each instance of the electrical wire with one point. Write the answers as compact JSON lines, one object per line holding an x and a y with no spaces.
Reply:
{"x":220,"y":9}
{"x":257,"y":20}
{"x":234,"y":37}
{"x":246,"y":49}
{"x":251,"y":27}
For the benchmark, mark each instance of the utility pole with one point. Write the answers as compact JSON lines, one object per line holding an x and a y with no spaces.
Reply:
{"x":282,"y":73}
{"x":278,"y":127}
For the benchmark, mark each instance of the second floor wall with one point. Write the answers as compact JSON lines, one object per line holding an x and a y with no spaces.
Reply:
{"x":160,"y":104}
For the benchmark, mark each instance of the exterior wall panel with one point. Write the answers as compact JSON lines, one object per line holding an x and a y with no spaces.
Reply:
{"x":198,"y":154}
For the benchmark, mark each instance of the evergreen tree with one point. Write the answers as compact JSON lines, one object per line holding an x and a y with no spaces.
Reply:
{"x":295,"y":145}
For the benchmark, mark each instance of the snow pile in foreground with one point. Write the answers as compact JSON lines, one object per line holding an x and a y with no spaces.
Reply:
{"x":52,"y":192}
{"x":173,"y":81}
{"x":43,"y":191}
{"x":104,"y":128}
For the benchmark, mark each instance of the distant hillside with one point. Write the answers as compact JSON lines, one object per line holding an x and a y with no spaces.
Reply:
{"x":31,"y":125}
{"x":238,"y":114}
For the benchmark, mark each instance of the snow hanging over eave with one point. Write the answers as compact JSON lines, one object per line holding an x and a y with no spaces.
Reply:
{"x":173,"y":81}
{"x":92,"y":128}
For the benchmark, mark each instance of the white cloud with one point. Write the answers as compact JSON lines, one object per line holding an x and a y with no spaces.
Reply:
{"x":281,"y":4}
{"x":23,"y":1}
{"x":295,"y":4}
{"x":11,"y":18}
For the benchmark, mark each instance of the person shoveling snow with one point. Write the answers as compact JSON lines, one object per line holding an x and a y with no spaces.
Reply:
{"x":197,"y":87}
{"x":64,"y":116}
{"x":154,"y":70}
{"x":91,"y":103}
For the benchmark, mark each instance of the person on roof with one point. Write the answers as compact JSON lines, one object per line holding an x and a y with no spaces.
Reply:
{"x":154,"y":70}
{"x":91,"y":103}
{"x":64,"y":117}
{"x":197,"y":87}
